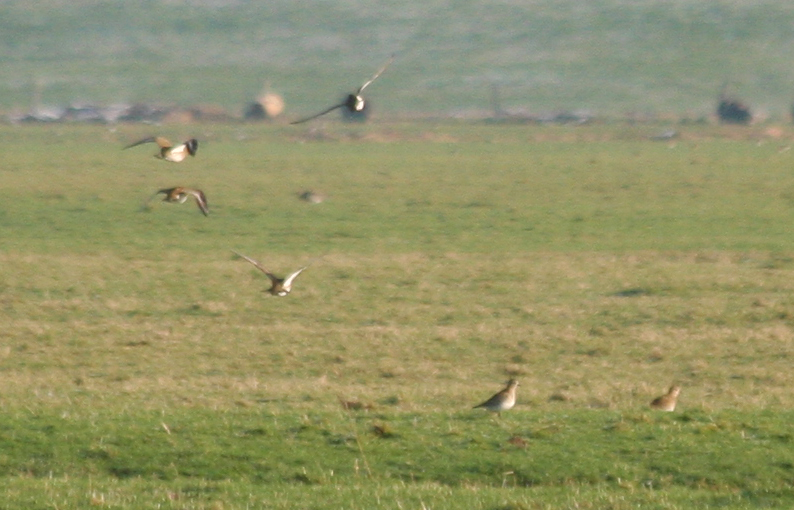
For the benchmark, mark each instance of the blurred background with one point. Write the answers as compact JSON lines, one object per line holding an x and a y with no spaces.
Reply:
{"x":463,"y":59}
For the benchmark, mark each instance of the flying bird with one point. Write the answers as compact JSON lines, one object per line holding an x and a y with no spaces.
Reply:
{"x":169,"y":152}
{"x":354,"y":103}
{"x":278,"y":286}
{"x":502,"y":401}
{"x":667,"y":401}
{"x":179,"y":195}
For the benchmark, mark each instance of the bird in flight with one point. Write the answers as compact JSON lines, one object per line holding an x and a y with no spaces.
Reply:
{"x":354,"y":103}
{"x":180,"y":195}
{"x":278,"y":286}
{"x":502,"y":401}
{"x":169,"y":152}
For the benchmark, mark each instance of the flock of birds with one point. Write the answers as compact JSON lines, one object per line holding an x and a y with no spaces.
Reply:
{"x":179,"y":195}
{"x":504,"y":400}
{"x":354,"y":103}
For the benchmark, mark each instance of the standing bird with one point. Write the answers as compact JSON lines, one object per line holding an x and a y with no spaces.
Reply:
{"x":354,"y":102}
{"x":312,"y":196}
{"x":502,"y":401}
{"x":169,"y":152}
{"x":278,"y":286}
{"x":667,"y":401}
{"x":179,"y":195}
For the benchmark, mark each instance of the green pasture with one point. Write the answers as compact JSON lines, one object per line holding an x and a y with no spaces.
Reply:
{"x":143,"y":366}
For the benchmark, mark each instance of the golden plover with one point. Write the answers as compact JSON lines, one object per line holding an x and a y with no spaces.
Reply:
{"x":168,"y":151}
{"x":354,"y":103}
{"x":278,"y":286}
{"x":667,"y":401}
{"x":313,"y":197}
{"x":180,"y":194}
{"x":502,"y":401}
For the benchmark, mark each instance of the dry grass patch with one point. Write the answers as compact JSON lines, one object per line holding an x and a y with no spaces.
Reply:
{"x":609,"y":337}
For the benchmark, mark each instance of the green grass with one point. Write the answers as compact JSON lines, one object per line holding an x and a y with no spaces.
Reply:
{"x":142,"y":364}
{"x":608,"y":57}
{"x":238,"y":455}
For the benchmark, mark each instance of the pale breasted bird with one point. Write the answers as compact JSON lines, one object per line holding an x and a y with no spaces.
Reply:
{"x":502,"y":401}
{"x":668,"y":401}
{"x":168,"y":151}
{"x":312,"y":196}
{"x":278,"y":286}
{"x":180,"y":195}
{"x":354,"y":103}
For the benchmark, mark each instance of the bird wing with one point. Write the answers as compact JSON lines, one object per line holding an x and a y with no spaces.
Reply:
{"x":318,"y":114}
{"x":163,"y":142}
{"x":375,"y":77}
{"x":148,"y":139}
{"x":165,"y":191}
{"x":484,"y":404}
{"x":159,"y":140}
{"x":493,"y":401}
{"x":201,"y":200}
{"x":289,"y":279}
{"x":259,"y":266}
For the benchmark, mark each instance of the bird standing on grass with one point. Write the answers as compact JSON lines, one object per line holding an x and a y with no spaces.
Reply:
{"x":667,"y":401}
{"x":169,"y":152}
{"x":355,"y":102}
{"x":502,"y":401}
{"x":180,"y":195}
{"x":278,"y":286}
{"x":312,"y":196}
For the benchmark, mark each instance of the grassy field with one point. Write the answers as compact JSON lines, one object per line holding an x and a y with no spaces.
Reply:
{"x":142,"y":365}
{"x":608,"y":57}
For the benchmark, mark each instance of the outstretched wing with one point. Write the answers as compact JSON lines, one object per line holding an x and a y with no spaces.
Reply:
{"x":165,"y":191}
{"x":201,"y":200}
{"x":289,"y":279}
{"x":380,"y":71}
{"x":318,"y":114}
{"x":159,"y":140}
{"x":257,"y":265}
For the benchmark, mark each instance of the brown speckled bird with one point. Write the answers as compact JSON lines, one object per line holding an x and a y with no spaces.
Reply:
{"x":179,"y":195}
{"x":278,"y":286}
{"x":355,"y":102}
{"x":667,"y":401}
{"x":311,"y":196}
{"x":168,"y":151}
{"x":502,"y":401}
